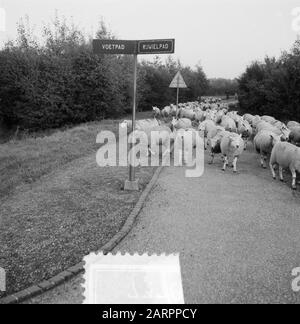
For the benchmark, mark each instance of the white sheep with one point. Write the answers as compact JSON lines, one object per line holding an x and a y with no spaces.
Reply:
{"x":209,"y":130}
{"x":182,"y":123}
{"x":245,"y":129}
{"x":287,"y":156}
{"x":156,"y":112}
{"x":215,"y":144}
{"x":232,"y":145}
{"x":264,"y":142}
{"x":186,"y":113}
{"x":141,"y":125}
{"x":292,"y":124}
{"x":229,"y":124}
{"x":159,"y":136}
{"x":269,"y":119}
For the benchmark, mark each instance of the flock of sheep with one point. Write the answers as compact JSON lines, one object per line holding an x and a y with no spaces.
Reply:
{"x":226,"y":132}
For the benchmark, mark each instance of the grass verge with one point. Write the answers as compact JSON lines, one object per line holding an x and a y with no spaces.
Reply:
{"x":57,"y":204}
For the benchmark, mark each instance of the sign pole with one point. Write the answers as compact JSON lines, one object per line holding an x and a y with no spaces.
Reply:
{"x":177,"y":83}
{"x":132,"y":184}
{"x":134,"y":47}
{"x":132,"y":169}
{"x":177,"y":103}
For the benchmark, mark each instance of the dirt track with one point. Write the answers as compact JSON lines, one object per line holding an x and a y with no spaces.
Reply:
{"x":238,"y":235}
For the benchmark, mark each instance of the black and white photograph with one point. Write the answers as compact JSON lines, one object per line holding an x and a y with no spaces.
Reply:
{"x":149,"y":154}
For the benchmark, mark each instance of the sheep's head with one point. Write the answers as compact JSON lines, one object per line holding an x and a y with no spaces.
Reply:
{"x":214,"y":142}
{"x":174,"y":121}
{"x":235,"y":141}
{"x":275,"y":139}
{"x":285,"y":132}
{"x":124,"y":124}
{"x":201,"y":127}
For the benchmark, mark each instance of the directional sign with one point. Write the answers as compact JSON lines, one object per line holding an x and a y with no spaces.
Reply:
{"x":178,"y":81}
{"x":159,"y":46}
{"x":114,"y":46}
{"x":134,"y":47}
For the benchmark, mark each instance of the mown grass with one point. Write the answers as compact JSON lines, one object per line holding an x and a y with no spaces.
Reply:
{"x":26,"y":160}
{"x":57,"y":204}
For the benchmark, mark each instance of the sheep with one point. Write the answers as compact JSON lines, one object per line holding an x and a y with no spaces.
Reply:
{"x":268,"y":119}
{"x":249,"y":118}
{"x":200,"y":116}
{"x":210,"y":115}
{"x":264,"y":142}
{"x":283,"y":131}
{"x":166,"y":112}
{"x":220,"y":114}
{"x":234,"y":115}
{"x":292,"y":124}
{"x":215,"y":144}
{"x":231,"y":145}
{"x":159,"y":136}
{"x":189,"y":139}
{"x":209,"y":130}
{"x":173,"y":112}
{"x":156,"y":112}
{"x":256,"y":121}
{"x":294,"y":136}
{"x":182,"y":123}
{"x":186,"y":113}
{"x":229,"y":124}
{"x":142,"y":124}
{"x":245,"y":130}
{"x":287,"y":156}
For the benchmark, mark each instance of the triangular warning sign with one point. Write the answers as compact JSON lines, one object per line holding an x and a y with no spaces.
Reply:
{"x":178,"y":81}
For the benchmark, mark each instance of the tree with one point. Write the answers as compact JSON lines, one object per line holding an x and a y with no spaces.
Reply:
{"x":272,"y":87}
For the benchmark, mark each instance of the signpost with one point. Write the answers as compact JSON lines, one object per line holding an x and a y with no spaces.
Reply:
{"x":160,"y":46}
{"x":114,"y":47}
{"x":178,"y":82}
{"x":135,"y":48}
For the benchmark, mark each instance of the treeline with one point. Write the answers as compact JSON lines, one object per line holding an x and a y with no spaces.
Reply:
{"x":59,"y":81}
{"x":272,"y":87}
{"x":222,"y":87}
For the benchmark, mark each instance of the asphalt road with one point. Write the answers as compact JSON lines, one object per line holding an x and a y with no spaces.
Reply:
{"x":238,"y":235}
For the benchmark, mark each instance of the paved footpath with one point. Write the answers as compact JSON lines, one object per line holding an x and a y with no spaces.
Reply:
{"x":238,"y":235}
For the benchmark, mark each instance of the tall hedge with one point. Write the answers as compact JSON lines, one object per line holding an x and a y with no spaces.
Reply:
{"x":272,"y":87}
{"x":60,"y":81}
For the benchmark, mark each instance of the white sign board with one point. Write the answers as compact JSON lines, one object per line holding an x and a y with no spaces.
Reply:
{"x":178,"y":81}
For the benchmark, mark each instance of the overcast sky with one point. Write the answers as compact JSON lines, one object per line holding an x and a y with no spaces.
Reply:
{"x":224,"y":35}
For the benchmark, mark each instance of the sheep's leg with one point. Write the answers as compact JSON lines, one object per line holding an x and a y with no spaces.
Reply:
{"x":166,"y":152}
{"x":281,"y":173}
{"x":246,"y":143}
{"x":225,"y":163}
{"x":234,"y":164}
{"x":273,"y":171}
{"x":180,"y":154}
{"x":265,"y":161}
{"x":205,"y":143}
{"x":185,"y":161}
{"x":262,"y":159}
{"x":294,"y":175}
{"x":212,"y":158}
{"x":151,"y":152}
